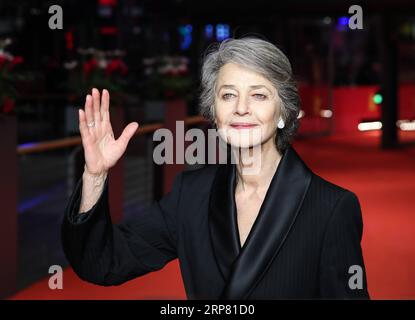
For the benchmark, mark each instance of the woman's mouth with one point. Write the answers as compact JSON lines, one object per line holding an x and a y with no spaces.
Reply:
{"x":243,"y":125}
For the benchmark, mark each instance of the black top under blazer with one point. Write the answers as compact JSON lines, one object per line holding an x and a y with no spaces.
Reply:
{"x":304,"y":240}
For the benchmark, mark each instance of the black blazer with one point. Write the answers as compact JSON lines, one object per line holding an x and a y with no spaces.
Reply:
{"x":305,"y":238}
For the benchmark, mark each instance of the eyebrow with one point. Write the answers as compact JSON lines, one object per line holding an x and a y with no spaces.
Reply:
{"x":231,"y":86}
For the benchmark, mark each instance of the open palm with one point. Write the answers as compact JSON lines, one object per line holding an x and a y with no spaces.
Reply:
{"x":101,"y":149}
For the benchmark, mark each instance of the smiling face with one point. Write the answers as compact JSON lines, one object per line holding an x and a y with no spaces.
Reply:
{"x":247,"y":107}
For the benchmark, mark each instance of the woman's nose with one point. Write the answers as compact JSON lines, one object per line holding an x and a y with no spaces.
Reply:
{"x":242,"y":106}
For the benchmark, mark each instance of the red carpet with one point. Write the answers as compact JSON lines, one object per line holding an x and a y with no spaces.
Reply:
{"x":164,"y":284}
{"x":385,"y":184}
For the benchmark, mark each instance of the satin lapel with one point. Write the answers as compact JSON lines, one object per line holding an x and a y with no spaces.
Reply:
{"x":279,"y":209}
{"x":222,"y":219}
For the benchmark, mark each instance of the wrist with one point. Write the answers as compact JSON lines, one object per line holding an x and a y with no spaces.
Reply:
{"x":97,"y":178}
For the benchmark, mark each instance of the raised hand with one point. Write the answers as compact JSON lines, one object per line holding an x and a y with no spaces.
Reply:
{"x":101,"y":149}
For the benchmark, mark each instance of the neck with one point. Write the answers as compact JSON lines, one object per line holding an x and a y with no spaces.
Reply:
{"x":268,"y":159}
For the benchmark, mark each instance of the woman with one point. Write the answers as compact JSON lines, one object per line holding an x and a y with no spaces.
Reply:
{"x":282,"y":232}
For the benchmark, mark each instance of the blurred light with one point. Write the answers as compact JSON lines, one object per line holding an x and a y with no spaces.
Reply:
{"x":301,"y":114}
{"x":118,"y":53}
{"x":104,"y":11}
{"x":377,"y":98}
{"x":6,"y":42}
{"x":343,"y":21}
{"x":186,"y":29}
{"x":27,"y":145}
{"x":222,"y":32}
{"x":186,"y":36}
{"x":406,"y":29}
{"x":108,"y":2}
{"x":325,"y":113}
{"x":35,"y":11}
{"x":69,"y":40}
{"x":108,"y":30}
{"x":83,"y":51}
{"x":69,"y":65}
{"x":136,"y":11}
{"x":366,"y":126}
{"x":136,"y":30}
{"x":327,"y":20}
{"x":208,"y":31}
{"x":406,"y":125}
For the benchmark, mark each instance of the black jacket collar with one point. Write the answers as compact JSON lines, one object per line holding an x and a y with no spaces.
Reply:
{"x":242,"y":268}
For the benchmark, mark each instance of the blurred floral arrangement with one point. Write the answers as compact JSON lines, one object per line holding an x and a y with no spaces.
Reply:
{"x":167,"y":77}
{"x":97,"y":69}
{"x":8,"y":77}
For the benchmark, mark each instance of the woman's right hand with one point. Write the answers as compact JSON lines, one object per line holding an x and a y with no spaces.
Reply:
{"x":101,"y":149}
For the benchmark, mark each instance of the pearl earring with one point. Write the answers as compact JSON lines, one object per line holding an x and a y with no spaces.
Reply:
{"x":281,"y":124}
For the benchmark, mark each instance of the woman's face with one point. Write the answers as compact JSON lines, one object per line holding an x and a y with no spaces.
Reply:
{"x":247,"y":107}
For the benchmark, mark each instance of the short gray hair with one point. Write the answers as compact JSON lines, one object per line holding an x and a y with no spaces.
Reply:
{"x":264,"y":58}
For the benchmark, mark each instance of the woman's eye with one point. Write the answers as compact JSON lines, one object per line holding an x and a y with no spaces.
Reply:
{"x":260,"y":96}
{"x":227,"y":96}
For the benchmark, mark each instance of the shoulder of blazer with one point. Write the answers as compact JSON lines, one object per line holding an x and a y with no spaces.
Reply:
{"x":329,"y":192}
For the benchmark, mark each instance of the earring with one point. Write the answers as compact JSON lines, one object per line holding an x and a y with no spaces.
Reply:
{"x":281,"y":124}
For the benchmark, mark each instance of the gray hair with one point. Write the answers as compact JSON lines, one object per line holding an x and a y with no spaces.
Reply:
{"x":264,"y":58}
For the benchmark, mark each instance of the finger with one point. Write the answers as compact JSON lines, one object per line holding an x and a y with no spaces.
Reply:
{"x":127,"y":133}
{"x":83,"y":128}
{"x":96,"y":104}
{"x":105,"y":105}
{"x":88,"y":109}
